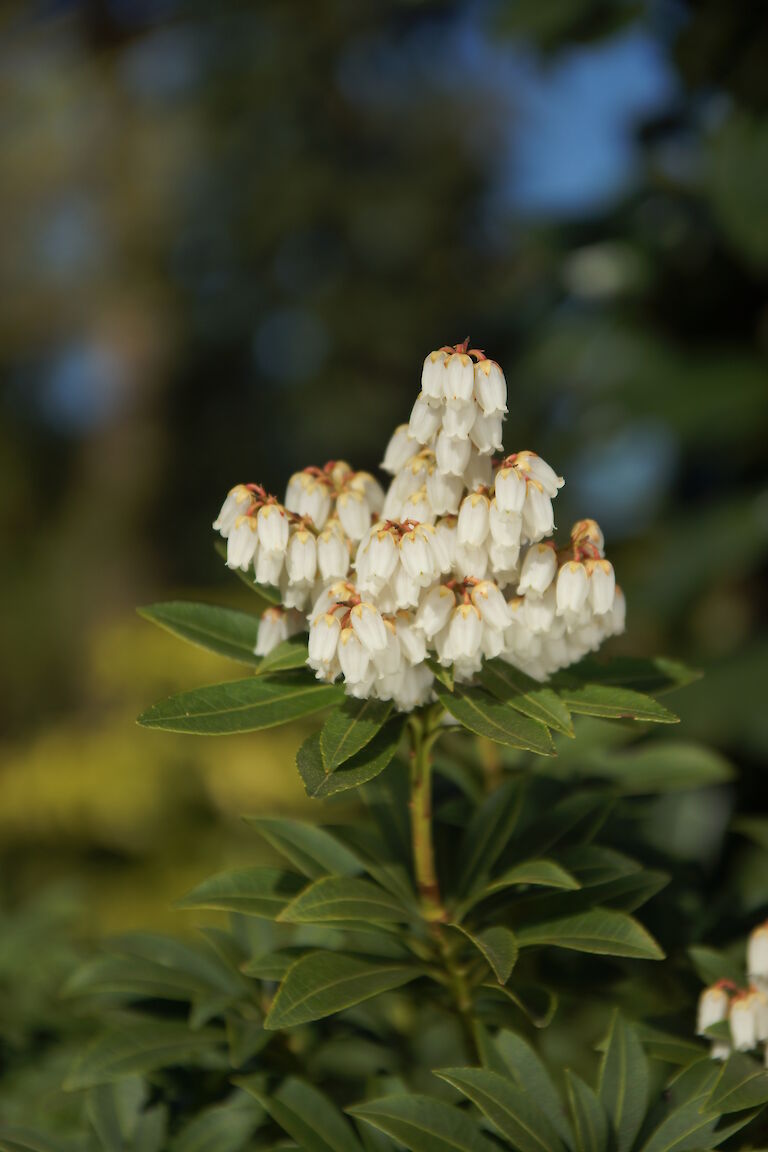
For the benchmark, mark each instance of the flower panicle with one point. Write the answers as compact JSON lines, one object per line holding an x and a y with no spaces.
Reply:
{"x":455,"y":563}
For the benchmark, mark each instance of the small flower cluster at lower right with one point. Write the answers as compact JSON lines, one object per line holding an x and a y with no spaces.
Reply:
{"x":744,"y":1009}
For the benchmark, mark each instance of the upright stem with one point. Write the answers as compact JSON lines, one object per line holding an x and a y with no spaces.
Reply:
{"x":423,"y":735}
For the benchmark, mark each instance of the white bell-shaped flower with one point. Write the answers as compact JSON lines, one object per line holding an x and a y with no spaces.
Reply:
{"x":390,"y":659}
{"x":275,"y":626}
{"x":444,"y":492}
{"x":757,"y":952}
{"x":269,"y":567}
{"x":435,"y":610}
{"x":471,"y":560}
{"x":369,"y":488}
{"x":458,"y":379}
{"x":510,"y":489}
{"x":412,"y":642}
{"x":235,"y":505}
{"x":490,"y":387}
{"x":368,"y":625}
{"x":465,"y":633}
{"x":447,"y":530}
{"x":377,"y":557}
{"x":324,"y":633}
{"x":452,"y":454}
{"x":487,"y":598}
{"x":433,"y":374}
{"x":602,"y":585}
{"x":404,"y":588}
{"x":439,"y":548}
{"x":742,"y":1018}
{"x":504,"y":564}
{"x":354,"y":513}
{"x":506,"y":527}
{"x":540,"y":611}
{"x":572,"y":588}
{"x":486,"y":433}
{"x":399,"y":450}
{"x":538,"y":569}
{"x":538,"y":515}
{"x":242,"y":543}
{"x":478,"y":472}
{"x":589,"y":532}
{"x":301,"y":557}
{"x":473,"y":522}
{"x":426,"y":418}
{"x":312,"y":498}
{"x":417,"y":557}
{"x":714,"y":1004}
{"x":273,"y":527}
{"x":332,"y":552}
{"x":532,"y":465}
{"x":354,"y":656}
{"x":458,"y":420}
{"x":418,"y":508}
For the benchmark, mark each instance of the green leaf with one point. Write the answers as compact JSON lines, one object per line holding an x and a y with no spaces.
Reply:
{"x":590,"y":1122}
{"x":526,"y":695}
{"x":538,"y":873}
{"x":221,"y":630}
{"x":623,"y":1082}
{"x":443,"y":673}
{"x":536,"y":1002}
{"x":241,"y":705}
{"x":600,"y":930}
{"x":322,"y":983}
{"x":743,"y":1084}
{"x":266,"y":591}
{"x":712,"y":965}
{"x":344,"y":898}
{"x":486,"y":716}
{"x":663,"y":1046}
{"x":532,"y":1076}
{"x":253,"y":891}
{"x":368,"y":763}
{"x":513,"y":1112}
{"x":137,"y":1048}
{"x":685,"y":1128}
{"x":225,"y":1127}
{"x":754,"y":828}
{"x":350,"y":727}
{"x":313,"y":850}
{"x":285,"y":657}
{"x":306,"y":1114}
{"x":498,"y":946}
{"x":615,"y":704}
{"x":423,"y":1124}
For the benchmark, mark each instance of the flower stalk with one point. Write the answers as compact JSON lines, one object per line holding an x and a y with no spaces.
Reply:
{"x":424,"y":731}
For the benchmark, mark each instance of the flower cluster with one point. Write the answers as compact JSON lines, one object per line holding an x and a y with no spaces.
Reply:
{"x":454,"y":563}
{"x":744,"y":1009}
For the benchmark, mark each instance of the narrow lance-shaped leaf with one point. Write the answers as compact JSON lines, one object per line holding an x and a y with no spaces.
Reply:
{"x":532,"y":1076}
{"x":344,"y":898}
{"x":368,"y":763}
{"x":615,"y":704}
{"x":590,"y":1122}
{"x":306,"y":1114}
{"x":241,"y":705}
{"x":497,"y":946}
{"x":486,"y":716}
{"x":315,"y":851}
{"x":526,"y":695}
{"x":221,"y":630}
{"x":423,"y":1124}
{"x":139,"y":1047}
{"x":350,"y":727}
{"x":601,"y":930}
{"x":322,"y":983}
{"x":253,"y":891}
{"x":513,"y":1112}
{"x":623,"y":1082}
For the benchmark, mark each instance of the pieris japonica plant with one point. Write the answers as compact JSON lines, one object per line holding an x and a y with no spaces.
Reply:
{"x":382,"y":983}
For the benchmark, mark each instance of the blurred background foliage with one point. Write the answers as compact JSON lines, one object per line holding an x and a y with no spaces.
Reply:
{"x":231,"y":233}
